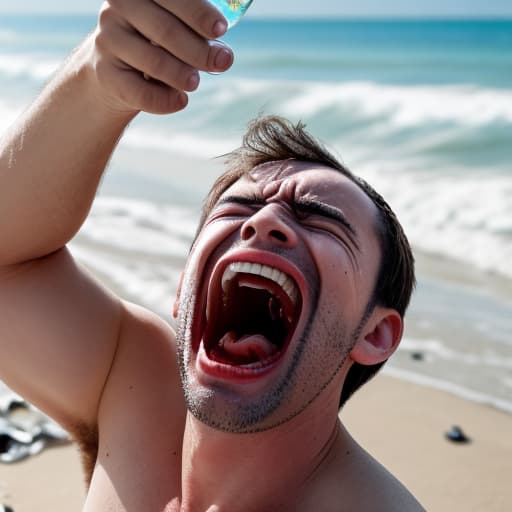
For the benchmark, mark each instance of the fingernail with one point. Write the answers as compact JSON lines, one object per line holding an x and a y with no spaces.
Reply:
{"x":223,"y":59}
{"x":182,"y":100}
{"x":193,"y":82}
{"x":220,"y":27}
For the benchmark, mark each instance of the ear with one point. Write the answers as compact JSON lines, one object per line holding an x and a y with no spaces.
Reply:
{"x":177,"y":299}
{"x":380,"y":337}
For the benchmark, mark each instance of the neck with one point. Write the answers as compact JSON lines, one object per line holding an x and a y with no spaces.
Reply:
{"x":253,"y":472}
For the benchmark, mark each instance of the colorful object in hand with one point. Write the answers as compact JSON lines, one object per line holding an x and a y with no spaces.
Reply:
{"x":232,"y":10}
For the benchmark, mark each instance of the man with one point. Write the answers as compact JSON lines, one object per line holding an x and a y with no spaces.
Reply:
{"x":294,"y":290}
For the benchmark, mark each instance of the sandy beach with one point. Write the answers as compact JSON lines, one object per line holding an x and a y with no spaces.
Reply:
{"x":401,"y":424}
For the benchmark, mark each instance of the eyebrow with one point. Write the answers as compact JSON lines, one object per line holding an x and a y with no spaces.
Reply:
{"x":309,"y":206}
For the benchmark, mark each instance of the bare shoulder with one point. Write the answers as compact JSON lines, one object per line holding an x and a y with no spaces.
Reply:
{"x":142,"y":397}
{"x":138,"y":321}
{"x":144,"y":378}
{"x":374,"y":487}
{"x":146,"y":347}
{"x":351,"y":479}
{"x":383,"y":492}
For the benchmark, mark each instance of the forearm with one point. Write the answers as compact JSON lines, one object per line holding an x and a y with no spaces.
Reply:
{"x":52,"y":160}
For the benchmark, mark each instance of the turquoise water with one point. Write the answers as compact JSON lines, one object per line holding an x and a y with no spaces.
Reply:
{"x":232,"y":10}
{"x":393,"y":52}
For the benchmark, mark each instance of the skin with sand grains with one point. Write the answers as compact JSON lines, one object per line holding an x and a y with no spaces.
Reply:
{"x":290,"y":294}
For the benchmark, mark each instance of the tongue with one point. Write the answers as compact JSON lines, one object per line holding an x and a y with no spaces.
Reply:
{"x":247,"y":349}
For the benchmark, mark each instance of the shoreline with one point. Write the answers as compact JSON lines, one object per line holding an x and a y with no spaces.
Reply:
{"x":457,"y":333}
{"x":449,"y":388}
{"x":462,"y":274}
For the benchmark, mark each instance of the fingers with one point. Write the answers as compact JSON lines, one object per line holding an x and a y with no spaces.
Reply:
{"x":175,"y":35}
{"x":204,"y":18}
{"x":149,"y":96}
{"x":167,"y":40}
{"x":139,"y":54}
{"x":126,"y":90}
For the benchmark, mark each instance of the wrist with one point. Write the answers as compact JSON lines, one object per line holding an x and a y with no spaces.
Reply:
{"x":83,"y":70}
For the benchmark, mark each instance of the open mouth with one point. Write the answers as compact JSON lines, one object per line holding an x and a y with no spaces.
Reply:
{"x":252,"y":314}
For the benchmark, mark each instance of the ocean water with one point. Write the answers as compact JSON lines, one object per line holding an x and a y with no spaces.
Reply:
{"x":421,"y":109}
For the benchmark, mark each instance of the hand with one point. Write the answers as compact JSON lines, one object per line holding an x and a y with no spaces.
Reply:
{"x":167,"y":40}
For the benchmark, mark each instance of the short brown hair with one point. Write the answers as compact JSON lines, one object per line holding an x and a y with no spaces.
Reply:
{"x":273,"y":138}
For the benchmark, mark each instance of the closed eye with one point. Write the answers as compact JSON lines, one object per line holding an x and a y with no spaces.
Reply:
{"x":235,"y":206}
{"x":328,"y":228}
{"x":316,"y":214}
{"x":327,"y":218}
{"x":242,"y":200}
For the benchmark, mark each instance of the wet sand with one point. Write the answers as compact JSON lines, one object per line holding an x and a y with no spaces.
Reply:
{"x":400,"y":423}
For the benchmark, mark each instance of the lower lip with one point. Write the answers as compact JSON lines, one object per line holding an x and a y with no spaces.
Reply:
{"x":229,"y":372}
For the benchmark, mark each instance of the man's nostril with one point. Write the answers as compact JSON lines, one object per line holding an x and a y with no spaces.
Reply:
{"x":248,"y":232}
{"x":278,"y":235}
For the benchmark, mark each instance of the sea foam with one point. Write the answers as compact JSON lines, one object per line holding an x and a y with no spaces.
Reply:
{"x":32,"y":66}
{"x":449,"y":387}
{"x":437,"y":153}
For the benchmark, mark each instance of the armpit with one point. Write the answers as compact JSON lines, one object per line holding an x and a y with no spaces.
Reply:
{"x":86,"y":437}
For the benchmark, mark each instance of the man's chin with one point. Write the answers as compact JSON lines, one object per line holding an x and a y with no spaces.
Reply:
{"x":228,"y":408}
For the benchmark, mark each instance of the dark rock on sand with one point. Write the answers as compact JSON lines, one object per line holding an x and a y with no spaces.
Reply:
{"x":457,"y":435}
{"x":417,"y":356}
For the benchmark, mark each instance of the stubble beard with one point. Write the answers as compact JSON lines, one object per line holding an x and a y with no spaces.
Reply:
{"x":219,"y":407}
{"x":224,"y":410}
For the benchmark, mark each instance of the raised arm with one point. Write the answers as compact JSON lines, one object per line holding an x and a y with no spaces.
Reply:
{"x":59,"y":329}
{"x":52,"y":159}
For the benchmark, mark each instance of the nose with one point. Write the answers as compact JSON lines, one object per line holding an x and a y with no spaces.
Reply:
{"x":268,"y":225}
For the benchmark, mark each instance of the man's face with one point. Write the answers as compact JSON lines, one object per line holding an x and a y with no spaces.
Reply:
{"x":274,"y":294}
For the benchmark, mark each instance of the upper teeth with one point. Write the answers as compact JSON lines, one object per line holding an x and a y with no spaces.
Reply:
{"x":285,"y":282}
